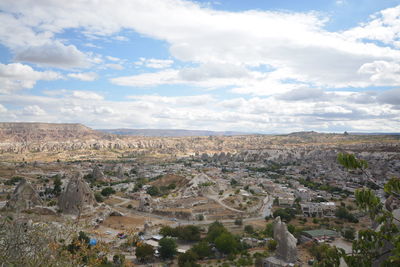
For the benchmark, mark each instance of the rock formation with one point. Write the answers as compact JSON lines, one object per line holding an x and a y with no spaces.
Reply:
{"x":286,"y":249}
{"x":97,"y":174}
{"x":145,"y":203}
{"x":77,"y":196}
{"x":286,"y":252}
{"x":119,"y":172}
{"x":24,"y":197}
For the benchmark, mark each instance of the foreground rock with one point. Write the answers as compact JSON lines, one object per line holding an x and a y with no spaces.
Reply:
{"x":77,"y":197}
{"x":286,"y":252}
{"x":24,"y":197}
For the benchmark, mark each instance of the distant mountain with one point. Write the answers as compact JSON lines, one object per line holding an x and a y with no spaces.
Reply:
{"x":42,"y":132}
{"x":169,"y":132}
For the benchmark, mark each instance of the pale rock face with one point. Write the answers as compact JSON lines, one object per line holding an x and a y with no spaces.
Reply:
{"x":286,"y":249}
{"x":120,"y":171}
{"x":76,"y":197}
{"x":145,"y":203}
{"x":97,"y":174}
{"x":24,"y":197}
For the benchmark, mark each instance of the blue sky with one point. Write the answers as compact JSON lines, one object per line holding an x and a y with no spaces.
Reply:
{"x":255,"y":66}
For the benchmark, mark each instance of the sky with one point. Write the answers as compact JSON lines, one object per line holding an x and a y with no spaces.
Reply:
{"x":266,"y":66}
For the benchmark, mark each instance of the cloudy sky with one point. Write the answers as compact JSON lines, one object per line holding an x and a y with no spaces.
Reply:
{"x":271,"y":66}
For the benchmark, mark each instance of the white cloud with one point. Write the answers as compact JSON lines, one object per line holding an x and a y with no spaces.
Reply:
{"x":338,"y":112}
{"x":296,"y":42}
{"x":384,"y":26}
{"x":54,"y":54}
{"x":121,"y":38}
{"x":154,"y":63}
{"x":33,"y":110}
{"x":340,"y":2}
{"x":17,"y":76}
{"x":3,"y":109}
{"x":114,"y":66}
{"x":84,"y":76}
{"x":382,"y":72}
{"x":113,"y":58}
{"x":87,"y":95}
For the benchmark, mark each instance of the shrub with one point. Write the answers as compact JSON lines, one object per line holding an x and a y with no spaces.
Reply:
{"x":238,"y":222}
{"x":272,"y":244}
{"x":107,"y":191}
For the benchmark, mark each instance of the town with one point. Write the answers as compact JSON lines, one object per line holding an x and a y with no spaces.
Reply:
{"x":137,"y":200}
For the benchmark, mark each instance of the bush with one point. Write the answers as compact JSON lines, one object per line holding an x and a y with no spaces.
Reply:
{"x":272,"y":244}
{"x":13,"y":181}
{"x":153,"y":191}
{"x":349,"y":234}
{"x":269,"y":230}
{"x":249,"y":229}
{"x":98,"y":197}
{"x":343,"y":213}
{"x":107,"y":191}
{"x":238,"y":222}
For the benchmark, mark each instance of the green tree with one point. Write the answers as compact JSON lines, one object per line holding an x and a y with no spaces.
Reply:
{"x":168,"y":231}
{"x":202,"y":249}
{"x":272,"y":244}
{"x":98,"y":197}
{"x":378,"y":246}
{"x":349,"y":233}
{"x":326,"y":255}
{"x":238,"y":222}
{"x":269,"y":230}
{"x":167,"y":248}
{"x":153,"y":191}
{"x":188,"y":259}
{"x":57,"y":186}
{"x":107,"y":191}
{"x":343,"y":213}
{"x":188,"y":233}
{"x":286,"y":214}
{"x":215,"y":230}
{"x":249,"y":229}
{"x":144,"y":252}
{"x":227,"y":243}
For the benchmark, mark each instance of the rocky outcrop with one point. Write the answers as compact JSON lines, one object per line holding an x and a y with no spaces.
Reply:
{"x":119,"y":171}
{"x":24,"y":197}
{"x":145,"y":203}
{"x":286,"y":252}
{"x":97,"y":174}
{"x":286,"y":249}
{"x":77,"y":196}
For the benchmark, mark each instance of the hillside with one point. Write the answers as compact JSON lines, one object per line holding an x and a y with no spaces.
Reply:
{"x":42,"y":132}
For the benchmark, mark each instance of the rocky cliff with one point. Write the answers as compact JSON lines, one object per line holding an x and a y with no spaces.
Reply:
{"x":24,"y":132}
